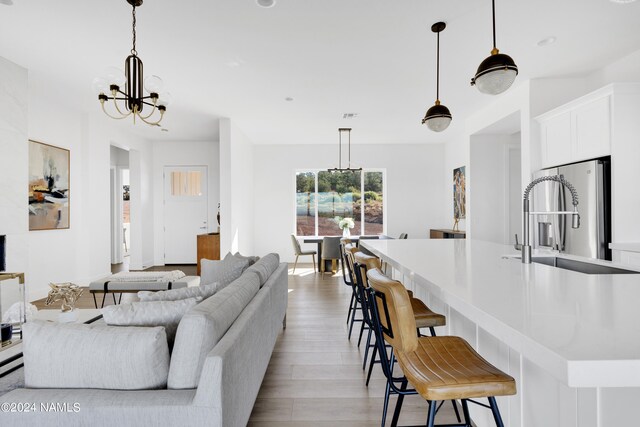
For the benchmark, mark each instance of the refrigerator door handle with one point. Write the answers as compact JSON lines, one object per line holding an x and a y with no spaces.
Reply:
{"x":563,"y":218}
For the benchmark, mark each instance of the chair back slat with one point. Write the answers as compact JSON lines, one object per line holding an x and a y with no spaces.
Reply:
{"x":394,"y":307}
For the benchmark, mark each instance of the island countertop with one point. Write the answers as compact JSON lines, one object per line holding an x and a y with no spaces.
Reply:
{"x":583,"y":329}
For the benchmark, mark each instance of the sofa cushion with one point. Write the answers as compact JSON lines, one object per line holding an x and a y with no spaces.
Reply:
{"x":224,"y":271}
{"x":153,"y":313}
{"x":265,"y":266}
{"x":203,"y":326}
{"x":94,"y":356}
{"x":204,"y":292}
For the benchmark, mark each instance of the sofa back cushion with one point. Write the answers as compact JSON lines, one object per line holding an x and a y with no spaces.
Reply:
{"x":94,"y":356}
{"x":265,"y":267}
{"x":203,"y":326}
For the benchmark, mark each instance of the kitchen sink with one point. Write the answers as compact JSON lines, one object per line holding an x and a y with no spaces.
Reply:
{"x":581,"y":267}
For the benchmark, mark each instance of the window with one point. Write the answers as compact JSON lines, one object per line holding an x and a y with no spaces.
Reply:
{"x":186,"y":183}
{"x":322,"y":195}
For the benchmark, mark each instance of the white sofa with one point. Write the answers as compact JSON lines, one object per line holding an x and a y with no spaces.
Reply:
{"x":228,"y":364}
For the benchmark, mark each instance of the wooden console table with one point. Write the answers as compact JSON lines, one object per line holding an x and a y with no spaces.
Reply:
{"x":444,"y":233}
{"x":208,"y":247}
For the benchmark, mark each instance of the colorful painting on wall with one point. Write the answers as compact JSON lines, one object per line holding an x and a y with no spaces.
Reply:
{"x":459,"y":194}
{"x":48,"y":187}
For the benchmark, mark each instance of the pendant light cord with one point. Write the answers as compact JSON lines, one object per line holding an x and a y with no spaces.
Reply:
{"x":493,"y":11}
{"x":133,"y":49}
{"x":438,"y":69}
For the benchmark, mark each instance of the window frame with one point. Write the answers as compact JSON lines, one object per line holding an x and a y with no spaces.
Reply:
{"x":315,"y":172}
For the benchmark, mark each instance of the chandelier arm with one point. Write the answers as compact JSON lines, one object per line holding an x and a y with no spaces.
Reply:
{"x":148,"y":115}
{"x":114,"y":117}
{"x":120,"y":111}
{"x":156,"y":123}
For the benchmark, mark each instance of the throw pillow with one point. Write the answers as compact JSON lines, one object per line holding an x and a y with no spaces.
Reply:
{"x":70,"y":355}
{"x":252,"y":259}
{"x":223,"y":272}
{"x":153,"y":313}
{"x":203,"y":292}
{"x":265,"y":267}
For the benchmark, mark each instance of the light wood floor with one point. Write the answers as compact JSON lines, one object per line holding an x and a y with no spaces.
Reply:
{"x":315,"y":376}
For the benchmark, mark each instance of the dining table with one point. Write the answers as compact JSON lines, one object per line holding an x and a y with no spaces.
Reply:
{"x":318,"y":240}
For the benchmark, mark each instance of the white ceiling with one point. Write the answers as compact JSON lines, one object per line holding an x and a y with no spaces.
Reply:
{"x":376,"y":58}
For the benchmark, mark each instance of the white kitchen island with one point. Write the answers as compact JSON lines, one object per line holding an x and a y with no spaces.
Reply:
{"x":571,"y":340}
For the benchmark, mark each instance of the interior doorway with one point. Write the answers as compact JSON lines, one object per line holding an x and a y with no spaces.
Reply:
{"x":185,"y":212}
{"x":120,"y":209}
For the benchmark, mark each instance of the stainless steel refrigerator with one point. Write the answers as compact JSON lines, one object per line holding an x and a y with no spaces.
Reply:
{"x":592,"y":182}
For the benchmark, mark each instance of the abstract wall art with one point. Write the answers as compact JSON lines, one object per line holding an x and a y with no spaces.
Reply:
{"x":459,"y":194}
{"x":48,"y":187}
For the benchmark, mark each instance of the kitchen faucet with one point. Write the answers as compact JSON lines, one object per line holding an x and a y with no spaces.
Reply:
{"x":526,"y":215}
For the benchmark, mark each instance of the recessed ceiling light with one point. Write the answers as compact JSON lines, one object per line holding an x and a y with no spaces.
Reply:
{"x":547,"y":41}
{"x":7,"y":2}
{"x":266,"y":3}
{"x":288,"y":99}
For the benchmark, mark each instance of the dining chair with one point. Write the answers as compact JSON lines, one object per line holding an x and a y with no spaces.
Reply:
{"x":298,"y":251}
{"x":330,"y":251}
{"x":403,"y":236}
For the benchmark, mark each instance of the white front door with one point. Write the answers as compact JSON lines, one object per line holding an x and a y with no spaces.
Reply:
{"x":185,"y":212}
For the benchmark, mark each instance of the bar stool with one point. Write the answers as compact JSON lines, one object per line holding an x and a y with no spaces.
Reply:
{"x":423,"y":315}
{"x":439,"y":368}
{"x":347,"y":274}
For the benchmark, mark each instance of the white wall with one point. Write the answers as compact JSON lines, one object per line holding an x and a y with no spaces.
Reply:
{"x":237,"y":189}
{"x":204,"y":153}
{"x":82,"y":252}
{"x":414,"y":188}
{"x":14,"y":221}
{"x":490,"y":189}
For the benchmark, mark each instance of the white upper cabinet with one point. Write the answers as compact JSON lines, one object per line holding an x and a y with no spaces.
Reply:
{"x":592,"y":129}
{"x":577,"y":131}
{"x":556,"y":140}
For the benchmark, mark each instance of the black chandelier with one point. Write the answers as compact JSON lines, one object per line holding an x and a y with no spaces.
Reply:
{"x":132,"y":98}
{"x":340,"y":168}
{"x":438,"y":117}
{"x":497,"y":72}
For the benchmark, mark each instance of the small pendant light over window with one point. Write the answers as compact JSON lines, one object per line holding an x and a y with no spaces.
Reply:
{"x":438,"y":117}
{"x":498,"y":72}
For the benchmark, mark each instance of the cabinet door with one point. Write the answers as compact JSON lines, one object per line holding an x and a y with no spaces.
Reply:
{"x":592,"y":129}
{"x":556,"y":140}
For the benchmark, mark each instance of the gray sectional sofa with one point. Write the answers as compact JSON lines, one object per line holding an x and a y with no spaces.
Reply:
{"x":222,"y":348}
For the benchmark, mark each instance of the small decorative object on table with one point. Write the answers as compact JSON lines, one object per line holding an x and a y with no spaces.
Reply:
{"x":346,"y":224}
{"x":68,"y":293}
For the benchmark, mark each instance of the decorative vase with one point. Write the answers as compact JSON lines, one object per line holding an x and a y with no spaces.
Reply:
{"x":346,"y":233}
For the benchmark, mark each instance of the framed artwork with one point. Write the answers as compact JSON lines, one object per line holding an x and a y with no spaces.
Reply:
{"x":48,"y":187}
{"x":459,"y":194}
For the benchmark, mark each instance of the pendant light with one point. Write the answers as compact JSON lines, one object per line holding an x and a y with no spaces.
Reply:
{"x":126,"y":89}
{"x":438,"y":117}
{"x":340,"y":168}
{"x":496,"y":73}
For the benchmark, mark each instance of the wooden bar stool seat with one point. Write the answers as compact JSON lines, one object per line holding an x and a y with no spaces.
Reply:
{"x":425,"y":318}
{"x":445,"y":368}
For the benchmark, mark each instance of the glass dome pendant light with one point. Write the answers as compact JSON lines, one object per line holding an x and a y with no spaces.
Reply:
{"x":438,"y":117}
{"x":130,"y":100}
{"x":498,"y":72}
